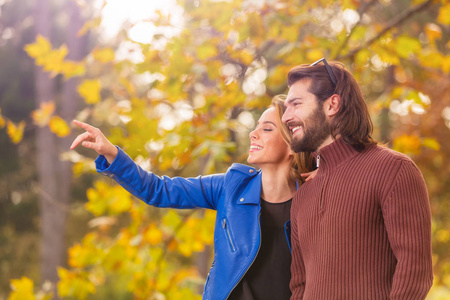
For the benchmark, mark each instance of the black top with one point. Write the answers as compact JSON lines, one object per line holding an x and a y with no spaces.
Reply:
{"x":269,"y":275}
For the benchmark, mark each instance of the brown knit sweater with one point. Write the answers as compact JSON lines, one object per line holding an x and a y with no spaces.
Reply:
{"x":361,"y":229}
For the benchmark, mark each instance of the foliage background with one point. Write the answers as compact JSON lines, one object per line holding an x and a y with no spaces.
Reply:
{"x":181,"y":103}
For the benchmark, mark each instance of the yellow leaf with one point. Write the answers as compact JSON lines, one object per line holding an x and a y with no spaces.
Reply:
{"x":293,"y":58}
{"x":314,"y":55}
{"x":405,"y":46}
{"x":444,"y":14}
{"x":246,"y":57}
{"x":2,"y":120}
{"x":206,"y":51}
{"x":40,"y":48}
{"x":75,"y":284}
{"x":171,"y":218}
{"x":446,"y":64}
{"x":408,"y":144}
{"x":86,"y":254}
{"x":41,"y":116}
{"x":290,"y":33}
{"x":78,"y":168}
{"x":431,"y":143}
{"x":71,"y":69}
{"x":274,"y":32}
{"x":362,"y":57}
{"x":59,"y":126}
{"x":119,"y":200}
{"x":77,"y":256}
{"x":153,"y":234}
{"x":104,"y":55}
{"x":431,"y":59}
{"x":95,"y":23}
{"x":172,"y":245}
{"x":104,"y":198}
{"x":185,"y":249}
{"x":256,"y":27}
{"x":96,"y":198}
{"x":443,"y":235}
{"x":22,"y":289}
{"x":90,"y":91}
{"x":54,"y":61}
{"x":396,"y":92}
{"x":433,"y":31}
{"x":15,"y":132}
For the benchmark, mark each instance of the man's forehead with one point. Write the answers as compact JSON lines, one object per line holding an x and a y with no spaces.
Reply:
{"x":297,"y":90}
{"x":301,"y":83}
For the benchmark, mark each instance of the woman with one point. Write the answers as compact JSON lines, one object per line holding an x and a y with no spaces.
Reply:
{"x":252,"y":257}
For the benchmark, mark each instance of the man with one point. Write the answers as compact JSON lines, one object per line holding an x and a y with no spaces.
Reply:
{"x":361,"y":229}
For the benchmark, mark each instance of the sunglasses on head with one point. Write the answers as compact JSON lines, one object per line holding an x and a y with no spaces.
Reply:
{"x":329,"y":69}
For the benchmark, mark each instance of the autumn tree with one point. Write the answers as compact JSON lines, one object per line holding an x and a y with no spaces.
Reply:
{"x":190,"y":99}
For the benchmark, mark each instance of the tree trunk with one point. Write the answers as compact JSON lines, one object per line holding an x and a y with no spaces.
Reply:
{"x":384,"y":121}
{"x":70,"y":101}
{"x":52,"y":219}
{"x":55,"y":176}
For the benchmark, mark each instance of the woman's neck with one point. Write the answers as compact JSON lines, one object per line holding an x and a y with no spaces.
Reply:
{"x":277,"y":184}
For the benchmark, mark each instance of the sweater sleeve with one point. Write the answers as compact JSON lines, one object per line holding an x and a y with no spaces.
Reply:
{"x":177,"y":192}
{"x":297,"y":283}
{"x":407,"y":217}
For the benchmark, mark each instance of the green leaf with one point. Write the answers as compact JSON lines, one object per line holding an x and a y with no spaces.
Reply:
{"x":406,"y":46}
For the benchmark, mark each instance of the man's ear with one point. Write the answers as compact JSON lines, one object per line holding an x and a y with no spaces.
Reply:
{"x":332,"y":105}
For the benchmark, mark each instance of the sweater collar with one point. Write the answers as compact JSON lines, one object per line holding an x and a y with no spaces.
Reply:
{"x":335,"y":154}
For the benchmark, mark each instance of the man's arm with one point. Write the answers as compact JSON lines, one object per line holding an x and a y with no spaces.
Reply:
{"x":407,"y":217}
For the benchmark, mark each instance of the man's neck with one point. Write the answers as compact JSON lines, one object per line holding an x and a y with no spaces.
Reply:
{"x":327,"y":142}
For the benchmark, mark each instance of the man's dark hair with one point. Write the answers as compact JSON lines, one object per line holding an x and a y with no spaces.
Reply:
{"x":352,"y":121}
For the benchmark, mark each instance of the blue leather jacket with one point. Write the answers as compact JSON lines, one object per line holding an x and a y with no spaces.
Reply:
{"x":236,"y":197}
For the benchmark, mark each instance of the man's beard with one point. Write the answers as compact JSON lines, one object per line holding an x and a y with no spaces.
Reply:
{"x":317,"y":132}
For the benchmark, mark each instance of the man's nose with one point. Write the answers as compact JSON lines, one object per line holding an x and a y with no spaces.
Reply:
{"x":287,"y":116}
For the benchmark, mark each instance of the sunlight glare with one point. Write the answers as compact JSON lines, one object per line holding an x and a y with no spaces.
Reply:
{"x":139,"y":13}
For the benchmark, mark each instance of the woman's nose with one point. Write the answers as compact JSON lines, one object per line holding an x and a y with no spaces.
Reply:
{"x":252,"y":135}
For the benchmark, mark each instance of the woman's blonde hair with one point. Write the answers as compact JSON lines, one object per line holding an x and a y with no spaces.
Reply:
{"x":303,"y":162}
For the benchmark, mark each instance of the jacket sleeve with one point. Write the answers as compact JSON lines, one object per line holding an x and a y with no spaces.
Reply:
{"x":407,"y":217}
{"x":177,"y":192}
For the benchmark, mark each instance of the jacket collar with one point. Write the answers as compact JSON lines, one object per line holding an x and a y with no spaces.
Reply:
{"x":251,"y":194}
{"x":335,"y":154}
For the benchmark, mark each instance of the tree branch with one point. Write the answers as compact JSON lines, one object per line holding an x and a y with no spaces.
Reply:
{"x":363,"y":11}
{"x":394,"y":23}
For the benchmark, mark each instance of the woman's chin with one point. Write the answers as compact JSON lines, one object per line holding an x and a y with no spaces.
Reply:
{"x":252,"y":160}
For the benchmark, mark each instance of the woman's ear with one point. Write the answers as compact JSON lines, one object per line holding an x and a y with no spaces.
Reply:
{"x":291,"y":153}
{"x":332,"y":105}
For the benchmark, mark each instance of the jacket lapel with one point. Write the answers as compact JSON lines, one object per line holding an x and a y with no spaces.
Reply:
{"x":250,"y":194}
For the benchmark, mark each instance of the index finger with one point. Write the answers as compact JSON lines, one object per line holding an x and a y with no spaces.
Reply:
{"x":85,"y":126}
